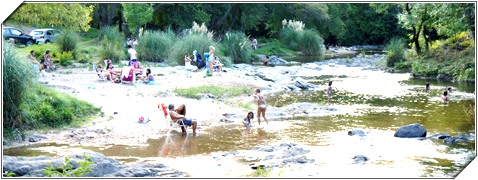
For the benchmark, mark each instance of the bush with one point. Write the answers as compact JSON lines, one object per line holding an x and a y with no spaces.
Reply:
{"x":113,"y":44}
{"x":236,"y":46}
{"x":68,"y":41}
{"x":66,"y":58}
{"x":310,"y":43}
{"x":289,"y":37}
{"x":395,"y":52}
{"x":17,"y":77}
{"x":154,"y":46}
{"x":187,"y":44}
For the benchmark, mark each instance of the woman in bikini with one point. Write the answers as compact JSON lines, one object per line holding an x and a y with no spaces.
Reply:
{"x":261,"y":109}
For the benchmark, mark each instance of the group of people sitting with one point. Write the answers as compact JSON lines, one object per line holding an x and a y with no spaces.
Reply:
{"x":45,"y":64}
{"x":116,"y":75}
{"x":212,"y":63}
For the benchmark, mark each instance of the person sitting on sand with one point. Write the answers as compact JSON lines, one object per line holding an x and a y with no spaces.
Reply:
{"x":187,"y":64}
{"x":247,"y":120}
{"x":175,"y":116}
{"x":114,"y":75}
{"x":217,"y":64}
{"x":149,"y":78}
{"x":261,"y":109}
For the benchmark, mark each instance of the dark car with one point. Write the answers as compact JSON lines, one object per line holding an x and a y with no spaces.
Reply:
{"x":19,"y":36}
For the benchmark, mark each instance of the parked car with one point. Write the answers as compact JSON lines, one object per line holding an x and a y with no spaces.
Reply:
{"x":18,"y":36}
{"x":44,"y":35}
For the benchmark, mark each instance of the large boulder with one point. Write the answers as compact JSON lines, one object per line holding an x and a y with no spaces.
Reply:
{"x":411,"y":131}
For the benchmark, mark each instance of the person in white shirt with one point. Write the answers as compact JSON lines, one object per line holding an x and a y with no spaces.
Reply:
{"x":132,"y":55}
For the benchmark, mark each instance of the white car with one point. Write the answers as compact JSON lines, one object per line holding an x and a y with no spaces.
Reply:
{"x":43,"y":36}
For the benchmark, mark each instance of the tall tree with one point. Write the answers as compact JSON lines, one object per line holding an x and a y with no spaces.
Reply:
{"x":137,"y":14}
{"x":70,"y":15}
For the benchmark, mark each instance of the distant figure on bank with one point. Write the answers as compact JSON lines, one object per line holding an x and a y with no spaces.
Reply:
{"x":261,"y":106}
{"x":187,"y":63}
{"x":247,"y":120}
{"x":265,"y":61}
{"x":444,"y":97}
{"x":254,"y":43}
{"x":132,"y":55}
{"x":210,"y":60}
{"x":427,"y":86}
{"x":46,"y":61}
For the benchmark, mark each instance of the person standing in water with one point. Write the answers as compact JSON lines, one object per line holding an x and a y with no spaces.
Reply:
{"x":261,"y":106}
{"x":329,"y":90}
{"x":427,"y":86}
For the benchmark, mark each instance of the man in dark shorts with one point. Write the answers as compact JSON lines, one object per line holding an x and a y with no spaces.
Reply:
{"x":187,"y":121}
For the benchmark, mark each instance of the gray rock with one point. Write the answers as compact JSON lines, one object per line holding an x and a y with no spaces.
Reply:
{"x":360,"y":159}
{"x":442,"y":77}
{"x":439,"y":136}
{"x":36,"y":138}
{"x":356,"y":132}
{"x":102,"y":168}
{"x":411,"y":131}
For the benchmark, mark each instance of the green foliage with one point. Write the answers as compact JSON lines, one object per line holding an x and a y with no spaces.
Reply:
{"x":218,"y":91}
{"x":395,"y":52}
{"x":290,"y":37}
{"x":274,"y":47}
{"x":8,"y":174}
{"x":154,"y":46}
{"x":68,"y":41}
{"x":17,"y":78}
{"x":112,"y":43}
{"x":66,"y":170}
{"x":66,"y":58}
{"x":236,"y":46}
{"x":310,"y":43}
{"x":44,"y":107}
{"x":262,"y":172}
{"x":70,"y":15}
{"x":137,"y":14}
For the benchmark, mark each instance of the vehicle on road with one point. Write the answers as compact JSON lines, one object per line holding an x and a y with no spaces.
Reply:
{"x":18,"y":36}
{"x":44,"y":36}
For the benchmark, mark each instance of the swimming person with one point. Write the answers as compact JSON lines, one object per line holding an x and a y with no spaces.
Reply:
{"x":261,"y":106}
{"x":444,"y":97}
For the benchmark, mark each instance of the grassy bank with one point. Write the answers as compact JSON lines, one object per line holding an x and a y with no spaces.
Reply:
{"x":217,"y":92}
{"x":28,"y":105}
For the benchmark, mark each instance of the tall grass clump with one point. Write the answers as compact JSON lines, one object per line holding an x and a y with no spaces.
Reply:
{"x":395,"y":52}
{"x":17,"y":78}
{"x":154,"y":46}
{"x":113,"y":44}
{"x":197,"y":38}
{"x":68,"y":41}
{"x":289,"y":37}
{"x":237,"y":47}
{"x":311,"y":43}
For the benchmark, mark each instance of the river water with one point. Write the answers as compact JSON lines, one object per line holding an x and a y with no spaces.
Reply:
{"x":377,"y":103}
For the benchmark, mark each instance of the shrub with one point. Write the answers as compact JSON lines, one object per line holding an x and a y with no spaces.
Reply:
{"x":395,"y":52}
{"x":289,"y":37}
{"x":236,"y":46}
{"x":68,"y":170}
{"x":66,"y":58}
{"x":310,"y":43}
{"x":153,"y":46}
{"x":17,"y":77}
{"x":68,"y":41}
{"x":113,"y":44}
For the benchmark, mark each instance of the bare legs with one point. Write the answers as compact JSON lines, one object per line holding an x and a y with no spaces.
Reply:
{"x":261,"y":111}
{"x":194,"y":125}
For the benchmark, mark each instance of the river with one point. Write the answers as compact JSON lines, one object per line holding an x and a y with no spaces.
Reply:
{"x":375,"y":101}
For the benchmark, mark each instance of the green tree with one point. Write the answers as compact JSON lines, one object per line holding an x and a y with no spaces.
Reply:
{"x":71,"y":15}
{"x":137,"y":14}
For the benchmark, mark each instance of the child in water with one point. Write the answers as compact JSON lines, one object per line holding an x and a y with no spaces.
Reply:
{"x":329,"y":90}
{"x":247,"y":120}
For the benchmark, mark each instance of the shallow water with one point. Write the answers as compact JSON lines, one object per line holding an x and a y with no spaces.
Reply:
{"x":379,"y":104}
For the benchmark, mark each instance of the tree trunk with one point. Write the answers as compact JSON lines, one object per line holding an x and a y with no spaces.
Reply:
{"x":426,"y":36}
{"x":416,"y":32}
{"x":122,"y":26}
